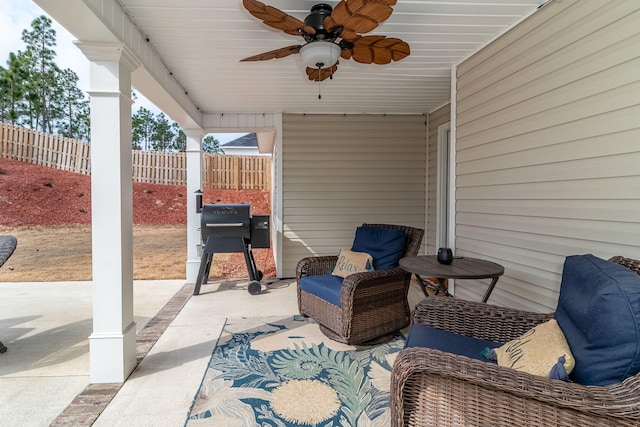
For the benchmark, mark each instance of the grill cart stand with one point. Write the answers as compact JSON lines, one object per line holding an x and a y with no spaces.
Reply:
{"x":232,"y":229}
{"x":225,"y":245}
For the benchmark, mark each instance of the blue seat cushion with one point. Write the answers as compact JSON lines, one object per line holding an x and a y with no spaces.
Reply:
{"x":325,"y":286}
{"x":599,"y":314}
{"x":437,"y":339}
{"x":385,"y":245}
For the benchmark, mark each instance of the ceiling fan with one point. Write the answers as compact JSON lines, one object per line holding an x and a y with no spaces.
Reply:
{"x":331,"y":33}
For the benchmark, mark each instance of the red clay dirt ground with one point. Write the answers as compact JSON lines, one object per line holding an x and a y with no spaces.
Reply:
{"x":39,"y":203}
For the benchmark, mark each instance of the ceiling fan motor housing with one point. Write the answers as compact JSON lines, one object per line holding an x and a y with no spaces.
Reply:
{"x":316,"y":20}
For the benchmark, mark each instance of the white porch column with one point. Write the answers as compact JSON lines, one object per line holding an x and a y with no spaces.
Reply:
{"x":194,"y":183}
{"x":112,"y":344}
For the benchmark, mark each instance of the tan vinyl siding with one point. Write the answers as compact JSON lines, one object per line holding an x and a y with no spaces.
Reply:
{"x":437,"y":118}
{"x":548,"y":147}
{"x":340,"y":171}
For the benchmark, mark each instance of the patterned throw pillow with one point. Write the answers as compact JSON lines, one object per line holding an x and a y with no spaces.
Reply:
{"x":350,"y":262}
{"x":542,"y":351}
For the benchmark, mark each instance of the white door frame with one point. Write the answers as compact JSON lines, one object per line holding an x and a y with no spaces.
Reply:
{"x":443,"y":168}
{"x":452,"y":169}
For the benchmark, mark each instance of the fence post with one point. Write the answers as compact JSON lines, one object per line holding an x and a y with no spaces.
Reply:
{"x":236,"y":173}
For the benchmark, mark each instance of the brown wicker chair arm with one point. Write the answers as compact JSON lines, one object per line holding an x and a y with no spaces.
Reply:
{"x":630,"y":263}
{"x":476,"y":319}
{"x":390,"y":278}
{"x":314,"y":266}
{"x":426,"y":366}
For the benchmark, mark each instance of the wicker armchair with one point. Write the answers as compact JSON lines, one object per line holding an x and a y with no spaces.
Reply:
{"x":434,"y":388}
{"x":373,"y":304}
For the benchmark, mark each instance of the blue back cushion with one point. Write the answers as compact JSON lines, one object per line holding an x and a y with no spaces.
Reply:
{"x":325,"y":286}
{"x":385,"y":245}
{"x":599,"y":314}
{"x":437,"y":339}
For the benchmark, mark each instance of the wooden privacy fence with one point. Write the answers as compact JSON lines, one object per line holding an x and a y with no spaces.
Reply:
{"x":236,"y":172}
{"x":159,"y":167}
{"x":221,"y":171}
{"x":39,"y":148}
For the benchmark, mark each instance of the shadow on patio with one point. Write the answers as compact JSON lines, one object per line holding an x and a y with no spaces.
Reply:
{"x":45,"y":372}
{"x":46,"y":368}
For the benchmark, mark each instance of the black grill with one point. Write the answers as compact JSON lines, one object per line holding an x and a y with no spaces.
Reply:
{"x":232,"y":228}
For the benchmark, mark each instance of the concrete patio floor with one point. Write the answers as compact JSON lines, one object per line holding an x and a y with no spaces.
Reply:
{"x":46,"y":368}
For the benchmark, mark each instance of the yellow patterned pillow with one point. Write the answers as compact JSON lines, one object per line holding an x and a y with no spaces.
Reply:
{"x":350,"y":262}
{"x":542,"y":351}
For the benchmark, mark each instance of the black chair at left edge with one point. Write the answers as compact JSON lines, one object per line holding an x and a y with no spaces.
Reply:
{"x":7,"y":246}
{"x":230,"y":228}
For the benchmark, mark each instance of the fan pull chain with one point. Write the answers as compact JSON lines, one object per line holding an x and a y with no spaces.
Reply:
{"x":319,"y":82}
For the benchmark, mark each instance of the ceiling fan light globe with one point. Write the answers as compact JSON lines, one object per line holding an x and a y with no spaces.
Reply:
{"x":320,"y":54}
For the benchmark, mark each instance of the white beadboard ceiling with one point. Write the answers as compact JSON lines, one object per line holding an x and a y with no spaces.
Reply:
{"x":202,"y":41}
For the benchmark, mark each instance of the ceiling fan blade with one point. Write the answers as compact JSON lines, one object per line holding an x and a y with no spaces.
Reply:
{"x":358,"y":16}
{"x":276,"y":18}
{"x":319,"y":75}
{"x":274,"y":54}
{"x":377,"y":50}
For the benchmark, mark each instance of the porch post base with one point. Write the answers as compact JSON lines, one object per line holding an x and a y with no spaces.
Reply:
{"x":112,"y":355}
{"x":193,"y":265}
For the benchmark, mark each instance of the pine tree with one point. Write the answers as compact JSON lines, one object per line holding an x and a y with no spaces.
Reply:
{"x":44,"y":72}
{"x":180,"y":140}
{"x":211,"y":145}
{"x":13,"y":85}
{"x":142,"y":125}
{"x":162,"y":134}
{"x":74,"y":108}
{"x":5,"y":103}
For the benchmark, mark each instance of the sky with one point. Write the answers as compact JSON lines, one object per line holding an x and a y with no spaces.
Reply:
{"x":17,"y":15}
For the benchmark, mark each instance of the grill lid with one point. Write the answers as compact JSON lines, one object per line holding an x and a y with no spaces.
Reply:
{"x":229,"y":220}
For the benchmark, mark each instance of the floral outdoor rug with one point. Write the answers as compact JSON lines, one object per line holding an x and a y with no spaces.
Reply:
{"x":284,"y":372}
